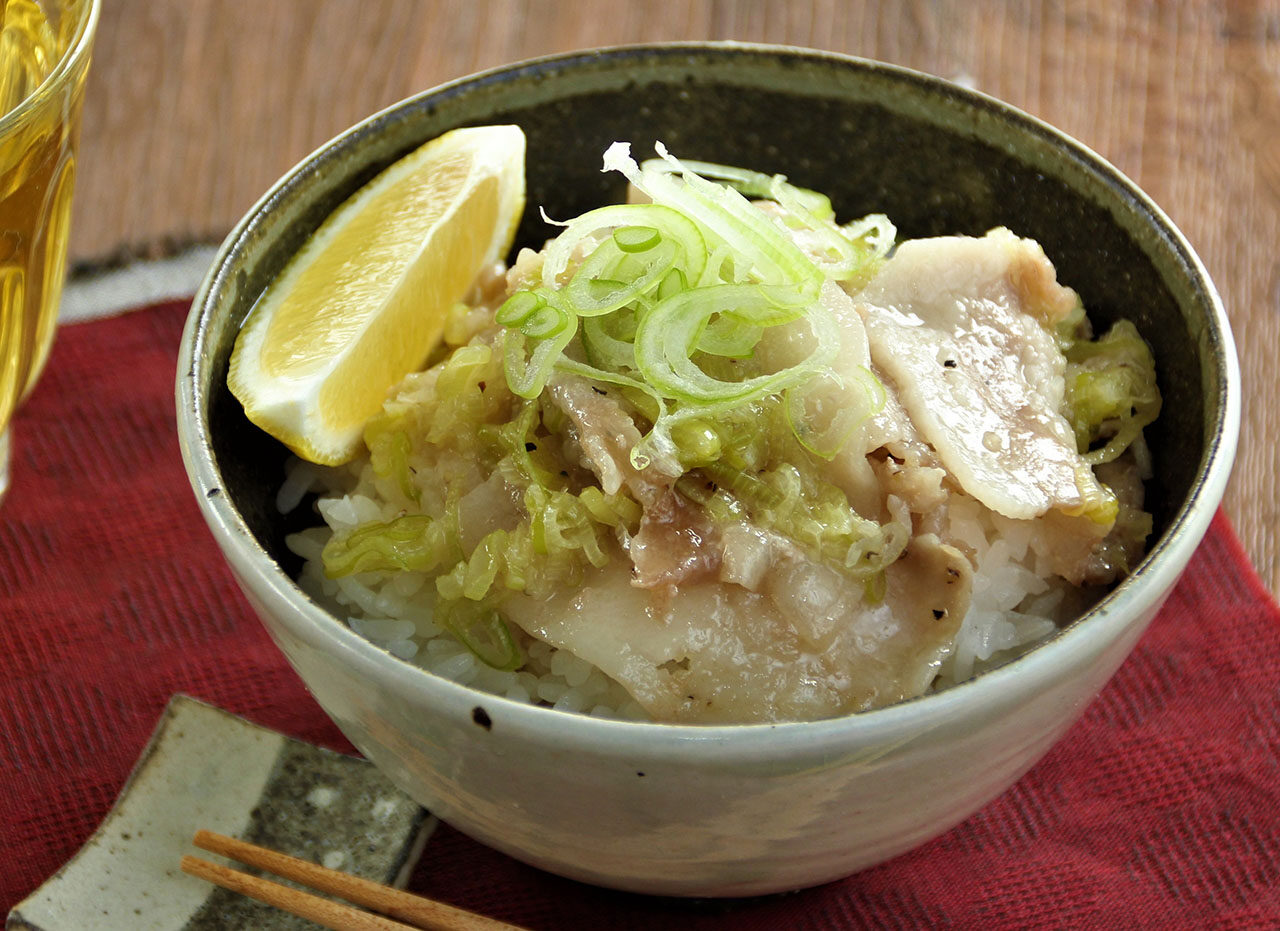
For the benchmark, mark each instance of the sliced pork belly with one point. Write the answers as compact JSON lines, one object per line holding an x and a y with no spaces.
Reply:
{"x":960,"y":327}
{"x":805,"y":645}
{"x":606,"y":434}
{"x":675,"y":542}
{"x":848,"y":469}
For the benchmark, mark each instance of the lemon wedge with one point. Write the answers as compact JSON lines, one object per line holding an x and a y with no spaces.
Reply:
{"x":364,"y":300}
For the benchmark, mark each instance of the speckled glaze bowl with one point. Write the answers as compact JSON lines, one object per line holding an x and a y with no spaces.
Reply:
{"x":742,"y":810}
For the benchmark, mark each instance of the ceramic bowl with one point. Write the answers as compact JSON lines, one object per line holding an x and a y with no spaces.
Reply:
{"x":719,"y":811}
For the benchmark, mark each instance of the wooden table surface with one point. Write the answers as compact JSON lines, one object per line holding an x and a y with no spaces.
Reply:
{"x":196,"y":106}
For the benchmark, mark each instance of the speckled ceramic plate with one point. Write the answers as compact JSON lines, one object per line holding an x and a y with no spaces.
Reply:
{"x":205,"y":768}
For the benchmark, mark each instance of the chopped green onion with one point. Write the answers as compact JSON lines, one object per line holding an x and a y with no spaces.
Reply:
{"x":667,"y":288}
{"x":605,"y":348}
{"x":636,"y":238}
{"x":481,"y":630}
{"x":413,"y":543}
{"x":603,"y":284}
{"x":615,"y":510}
{"x":519,"y":307}
{"x":668,"y":334}
{"x":721,"y":211}
{"x":527,"y":371}
{"x":545,"y":322}
{"x":593,"y":225}
{"x":697,"y":441}
{"x":1111,"y":392}
{"x":727,"y":335}
{"x":674,"y":282}
{"x":748,"y":488}
{"x":750,"y":183}
{"x":387,"y":435}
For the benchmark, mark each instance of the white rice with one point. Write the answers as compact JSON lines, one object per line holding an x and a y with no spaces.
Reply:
{"x":1016,"y":600}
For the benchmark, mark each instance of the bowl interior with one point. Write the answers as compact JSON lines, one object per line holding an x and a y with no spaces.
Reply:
{"x":937,"y":159}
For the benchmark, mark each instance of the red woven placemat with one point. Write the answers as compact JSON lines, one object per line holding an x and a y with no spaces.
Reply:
{"x":1160,"y":809}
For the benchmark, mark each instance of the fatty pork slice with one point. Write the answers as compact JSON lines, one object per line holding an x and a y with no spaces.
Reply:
{"x":805,"y":645}
{"x":675,"y":541}
{"x":961,"y":328}
{"x":845,"y":396}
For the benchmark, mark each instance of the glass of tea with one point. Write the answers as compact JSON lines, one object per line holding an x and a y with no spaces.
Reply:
{"x":44,"y":57}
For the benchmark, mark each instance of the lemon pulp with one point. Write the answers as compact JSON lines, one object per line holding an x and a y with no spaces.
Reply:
{"x":364,"y":301}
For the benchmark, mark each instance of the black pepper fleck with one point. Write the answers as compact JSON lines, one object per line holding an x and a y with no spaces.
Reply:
{"x":481,"y":717}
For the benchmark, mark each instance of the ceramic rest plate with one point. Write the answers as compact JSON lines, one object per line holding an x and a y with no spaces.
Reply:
{"x":205,"y":768}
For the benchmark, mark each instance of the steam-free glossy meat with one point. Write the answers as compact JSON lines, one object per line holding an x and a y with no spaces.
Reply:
{"x":959,"y":326}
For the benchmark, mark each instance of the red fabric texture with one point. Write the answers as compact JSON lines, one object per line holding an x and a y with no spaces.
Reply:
{"x":1161,"y":808}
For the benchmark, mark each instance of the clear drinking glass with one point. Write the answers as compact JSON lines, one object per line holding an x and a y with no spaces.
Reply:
{"x":45,"y":47}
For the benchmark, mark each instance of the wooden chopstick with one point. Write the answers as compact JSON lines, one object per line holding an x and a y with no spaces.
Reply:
{"x":324,"y":912}
{"x":418,"y":911}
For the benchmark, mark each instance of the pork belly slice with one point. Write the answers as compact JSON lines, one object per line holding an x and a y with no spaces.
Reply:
{"x":961,"y":328}
{"x":676,"y":541}
{"x":806,"y":645}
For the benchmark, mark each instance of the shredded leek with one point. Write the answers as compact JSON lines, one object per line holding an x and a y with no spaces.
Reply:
{"x":1111,"y":391}
{"x":564,"y":531}
{"x":761,"y":477}
{"x":390,"y":448}
{"x":413,"y":543}
{"x":483,"y":631}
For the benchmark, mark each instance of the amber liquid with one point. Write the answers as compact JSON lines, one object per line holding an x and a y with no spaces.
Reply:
{"x":37,"y":173}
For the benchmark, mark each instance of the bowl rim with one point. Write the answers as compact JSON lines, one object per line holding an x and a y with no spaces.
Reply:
{"x":1142,"y":592}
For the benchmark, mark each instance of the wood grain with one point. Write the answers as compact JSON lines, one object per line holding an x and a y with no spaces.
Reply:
{"x":196,"y":107}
